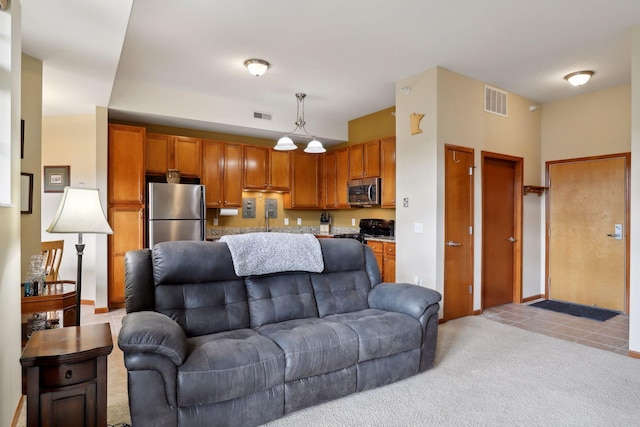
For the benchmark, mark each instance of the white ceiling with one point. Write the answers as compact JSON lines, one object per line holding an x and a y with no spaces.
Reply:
{"x":180,"y":63}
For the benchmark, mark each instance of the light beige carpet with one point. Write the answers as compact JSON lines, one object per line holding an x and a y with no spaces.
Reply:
{"x":486,"y":374}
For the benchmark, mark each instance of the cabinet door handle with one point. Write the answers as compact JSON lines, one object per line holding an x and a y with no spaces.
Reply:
{"x":68,"y":374}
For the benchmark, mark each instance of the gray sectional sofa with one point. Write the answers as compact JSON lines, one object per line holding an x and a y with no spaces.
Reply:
{"x":205,"y":346}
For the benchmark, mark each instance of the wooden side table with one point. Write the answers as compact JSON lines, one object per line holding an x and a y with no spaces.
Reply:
{"x":67,"y":376}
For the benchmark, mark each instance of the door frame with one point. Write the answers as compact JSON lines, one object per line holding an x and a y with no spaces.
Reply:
{"x":627,"y":218}
{"x":518,"y":209}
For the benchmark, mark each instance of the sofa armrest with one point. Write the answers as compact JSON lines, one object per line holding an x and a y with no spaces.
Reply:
{"x":151,"y":332}
{"x":405,"y":298}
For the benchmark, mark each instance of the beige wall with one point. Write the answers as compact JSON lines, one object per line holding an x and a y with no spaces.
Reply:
{"x":453,"y":108}
{"x":72,"y":141}
{"x":593,"y":124}
{"x":417,"y":158}
{"x":634,"y":298}
{"x":10,"y":112}
{"x":32,"y":116}
{"x":372,"y":126}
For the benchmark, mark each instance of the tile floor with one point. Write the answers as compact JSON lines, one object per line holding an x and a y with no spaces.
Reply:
{"x":612,"y":335}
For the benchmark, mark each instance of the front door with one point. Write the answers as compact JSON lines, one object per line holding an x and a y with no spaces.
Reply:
{"x":588,"y":231}
{"x":458,"y":234}
{"x":501,"y":230}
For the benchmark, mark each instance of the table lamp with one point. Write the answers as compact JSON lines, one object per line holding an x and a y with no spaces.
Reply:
{"x":80,"y":212}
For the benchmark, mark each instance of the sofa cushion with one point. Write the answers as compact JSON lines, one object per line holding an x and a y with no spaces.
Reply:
{"x":313,"y":346}
{"x":341,"y":292}
{"x":227,"y":365}
{"x":280,"y":297}
{"x":381,"y":333}
{"x":196,"y":286}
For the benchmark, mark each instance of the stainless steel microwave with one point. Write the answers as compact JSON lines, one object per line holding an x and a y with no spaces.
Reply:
{"x":364,"y":192}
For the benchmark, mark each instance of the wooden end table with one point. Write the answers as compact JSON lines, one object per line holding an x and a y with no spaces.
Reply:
{"x":66,"y":372}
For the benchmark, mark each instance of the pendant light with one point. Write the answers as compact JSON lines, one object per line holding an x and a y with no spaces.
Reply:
{"x":285,"y":143}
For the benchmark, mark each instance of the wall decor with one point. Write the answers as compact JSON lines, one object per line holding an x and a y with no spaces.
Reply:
{"x":56,"y":178}
{"x":26,"y":193}
{"x":415,"y":123}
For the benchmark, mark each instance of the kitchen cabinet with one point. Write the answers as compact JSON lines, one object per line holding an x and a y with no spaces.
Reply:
{"x":164,"y":152}
{"x":389,"y":261}
{"x":126,"y":165}
{"x":385,"y":253}
{"x":306,"y":184}
{"x":388,"y":172}
{"x":265,"y":169}
{"x":364,"y":160}
{"x":222,"y":173}
{"x":127,"y":223}
{"x":336,"y":177}
{"x":125,"y":202}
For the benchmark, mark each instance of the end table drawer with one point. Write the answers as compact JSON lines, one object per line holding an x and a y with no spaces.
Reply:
{"x":67,"y":374}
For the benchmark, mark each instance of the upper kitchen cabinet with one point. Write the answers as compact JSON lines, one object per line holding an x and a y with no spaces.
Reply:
{"x":388,"y":172}
{"x":306,"y":183}
{"x":222,"y":173}
{"x":265,"y":169}
{"x":364,"y":160}
{"x":336,"y":177}
{"x":126,"y":165}
{"x":173,"y":152}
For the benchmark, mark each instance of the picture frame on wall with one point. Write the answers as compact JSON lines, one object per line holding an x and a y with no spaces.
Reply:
{"x":26,"y":193}
{"x":56,"y":178}
{"x":22,"y":139}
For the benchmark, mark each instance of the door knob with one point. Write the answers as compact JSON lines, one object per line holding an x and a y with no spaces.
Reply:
{"x":512,"y":239}
{"x":452,"y":243}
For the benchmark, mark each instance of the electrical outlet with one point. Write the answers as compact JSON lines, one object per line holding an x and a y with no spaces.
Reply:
{"x":215,"y":221}
{"x":286,"y":221}
{"x":353,"y":221}
{"x":405,"y":202}
{"x":299,"y":221}
{"x":417,"y":227}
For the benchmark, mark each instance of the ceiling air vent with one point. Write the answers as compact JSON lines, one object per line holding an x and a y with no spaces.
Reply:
{"x":261,"y":116}
{"x":495,"y":101}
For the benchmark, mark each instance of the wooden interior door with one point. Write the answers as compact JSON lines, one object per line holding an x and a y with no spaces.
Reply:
{"x":587,"y":264}
{"x":458,"y":235}
{"x":501,"y":235}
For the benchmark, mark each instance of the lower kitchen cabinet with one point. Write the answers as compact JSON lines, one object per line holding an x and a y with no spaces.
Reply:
{"x":385,"y":253}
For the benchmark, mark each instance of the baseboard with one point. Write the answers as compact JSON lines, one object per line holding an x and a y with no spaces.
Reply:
{"x":101,"y":310}
{"x":532,"y":298}
{"x":477,"y":312}
{"x":16,"y":415}
{"x":87,"y":302}
{"x":634,"y":354}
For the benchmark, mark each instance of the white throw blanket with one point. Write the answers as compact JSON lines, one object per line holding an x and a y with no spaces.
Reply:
{"x":265,"y":253}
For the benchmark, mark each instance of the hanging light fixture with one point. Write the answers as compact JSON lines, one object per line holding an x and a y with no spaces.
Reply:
{"x":286,"y":143}
{"x":257,"y":67}
{"x":578,"y":78}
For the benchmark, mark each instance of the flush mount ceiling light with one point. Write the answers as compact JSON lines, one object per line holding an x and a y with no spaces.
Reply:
{"x":578,"y":78}
{"x":286,"y":143}
{"x":257,"y":67}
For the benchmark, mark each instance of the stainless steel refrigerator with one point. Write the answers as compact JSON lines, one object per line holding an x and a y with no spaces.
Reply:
{"x":175,"y":212}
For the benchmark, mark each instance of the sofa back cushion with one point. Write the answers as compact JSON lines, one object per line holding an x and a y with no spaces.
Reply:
{"x":345,"y":283}
{"x":279,"y":297}
{"x":196,"y":285}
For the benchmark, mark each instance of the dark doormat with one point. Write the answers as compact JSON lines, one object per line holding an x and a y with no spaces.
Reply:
{"x":594,"y":313}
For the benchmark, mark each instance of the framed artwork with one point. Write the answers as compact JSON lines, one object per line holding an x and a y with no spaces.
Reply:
{"x":56,"y":178}
{"x":26,"y":193}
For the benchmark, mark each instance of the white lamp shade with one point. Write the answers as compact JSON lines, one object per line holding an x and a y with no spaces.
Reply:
{"x":80,"y":211}
{"x":315,"y":147}
{"x":257,"y":67}
{"x":579,"y":78}
{"x":285,"y":144}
